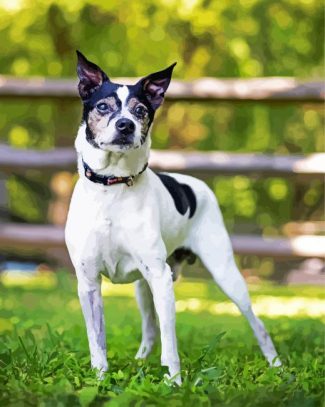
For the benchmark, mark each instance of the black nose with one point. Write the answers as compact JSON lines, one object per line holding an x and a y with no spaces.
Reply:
{"x":125,"y":126}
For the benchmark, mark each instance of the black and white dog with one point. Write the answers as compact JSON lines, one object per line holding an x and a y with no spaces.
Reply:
{"x":125,"y":221}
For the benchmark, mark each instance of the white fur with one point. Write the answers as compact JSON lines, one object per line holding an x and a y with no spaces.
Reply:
{"x":127,"y":233}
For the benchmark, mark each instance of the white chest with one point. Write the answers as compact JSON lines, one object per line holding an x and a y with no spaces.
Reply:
{"x":95,"y":238}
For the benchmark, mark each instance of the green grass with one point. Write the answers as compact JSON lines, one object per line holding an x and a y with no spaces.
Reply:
{"x":44,"y":357}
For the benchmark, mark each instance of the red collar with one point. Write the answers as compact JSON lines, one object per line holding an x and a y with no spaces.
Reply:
{"x":110,"y":179}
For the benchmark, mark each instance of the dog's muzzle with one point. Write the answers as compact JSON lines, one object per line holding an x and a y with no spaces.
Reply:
{"x":125,"y":132}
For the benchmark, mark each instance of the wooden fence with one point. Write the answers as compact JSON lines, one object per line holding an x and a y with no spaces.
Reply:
{"x":262,"y":90}
{"x":271,"y":89}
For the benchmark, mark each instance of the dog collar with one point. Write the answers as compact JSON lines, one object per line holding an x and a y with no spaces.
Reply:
{"x":110,"y":179}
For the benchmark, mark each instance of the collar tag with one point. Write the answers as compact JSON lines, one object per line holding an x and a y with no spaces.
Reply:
{"x":130,"y":181}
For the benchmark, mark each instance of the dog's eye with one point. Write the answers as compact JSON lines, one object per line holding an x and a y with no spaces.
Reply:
{"x":140,"y":111}
{"x":102,"y":107}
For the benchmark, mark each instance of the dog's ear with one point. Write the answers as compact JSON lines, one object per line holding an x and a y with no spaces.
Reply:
{"x":155,"y":85}
{"x":90,"y":76}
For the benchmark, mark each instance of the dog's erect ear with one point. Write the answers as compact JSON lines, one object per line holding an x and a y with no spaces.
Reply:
{"x":155,"y":85}
{"x":90,"y":75}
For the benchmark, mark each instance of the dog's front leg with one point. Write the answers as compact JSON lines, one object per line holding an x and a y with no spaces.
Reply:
{"x":161,"y":284}
{"x":92,"y":307}
{"x":147,"y":309}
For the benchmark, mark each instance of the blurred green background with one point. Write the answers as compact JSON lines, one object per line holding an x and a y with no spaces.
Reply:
{"x":247,"y":38}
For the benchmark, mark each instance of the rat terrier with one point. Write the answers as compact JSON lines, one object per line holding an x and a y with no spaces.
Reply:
{"x":125,"y":221}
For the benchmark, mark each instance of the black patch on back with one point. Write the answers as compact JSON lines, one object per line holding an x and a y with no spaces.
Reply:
{"x":182,"y":194}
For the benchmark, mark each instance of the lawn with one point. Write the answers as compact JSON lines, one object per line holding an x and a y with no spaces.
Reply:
{"x":44,"y":357}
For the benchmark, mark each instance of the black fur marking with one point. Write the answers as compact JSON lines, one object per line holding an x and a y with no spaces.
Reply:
{"x":191,"y":198}
{"x":90,"y":138}
{"x":182,"y":254}
{"x":136,"y":91}
{"x":182,"y":194}
{"x":113,"y":115}
{"x":107,"y":89}
{"x":143,"y":138}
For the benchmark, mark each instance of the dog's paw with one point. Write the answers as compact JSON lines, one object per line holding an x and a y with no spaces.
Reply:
{"x":101,"y":374}
{"x":174,"y":374}
{"x":144,"y":351}
{"x":173,"y":380}
{"x":100,"y":371}
{"x":276,"y":362}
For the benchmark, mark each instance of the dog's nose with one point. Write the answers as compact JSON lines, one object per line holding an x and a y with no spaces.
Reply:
{"x":125,"y":126}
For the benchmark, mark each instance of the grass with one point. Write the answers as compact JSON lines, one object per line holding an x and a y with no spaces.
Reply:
{"x":44,"y":357}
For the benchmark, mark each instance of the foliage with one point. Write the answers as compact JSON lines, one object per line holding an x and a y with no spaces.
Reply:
{"x":44,"y":358}
{"x":225,"y":38}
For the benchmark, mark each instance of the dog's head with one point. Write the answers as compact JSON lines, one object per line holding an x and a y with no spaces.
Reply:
{"x":119,"y":117}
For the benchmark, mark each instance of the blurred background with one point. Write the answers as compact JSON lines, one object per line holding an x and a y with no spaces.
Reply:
{"x":220,"y":39}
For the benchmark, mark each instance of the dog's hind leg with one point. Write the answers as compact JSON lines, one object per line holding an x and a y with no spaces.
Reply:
{"x":212,"y":244}
{"x":178,"y":258}
{"x":147,"y":310}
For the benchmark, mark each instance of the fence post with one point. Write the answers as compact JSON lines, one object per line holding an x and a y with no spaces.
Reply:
{"x":3,"y":198}
{"x":3,"y":207}
{"x":61,"y":189}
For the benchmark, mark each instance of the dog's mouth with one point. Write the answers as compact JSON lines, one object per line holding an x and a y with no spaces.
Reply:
{"x":122,"y":143}
{"x":123,"y":140}
{"x":117,"y":145}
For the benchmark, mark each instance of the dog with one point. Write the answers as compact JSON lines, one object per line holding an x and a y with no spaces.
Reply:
{"x":125,"y":221}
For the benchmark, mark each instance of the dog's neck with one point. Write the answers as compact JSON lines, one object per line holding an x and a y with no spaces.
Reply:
{"x":131,"y":162}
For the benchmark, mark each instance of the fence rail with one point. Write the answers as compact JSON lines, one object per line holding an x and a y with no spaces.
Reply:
{"x":198,"y":163}
{"x":42,"y":237}
{"x":271,"y":89}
